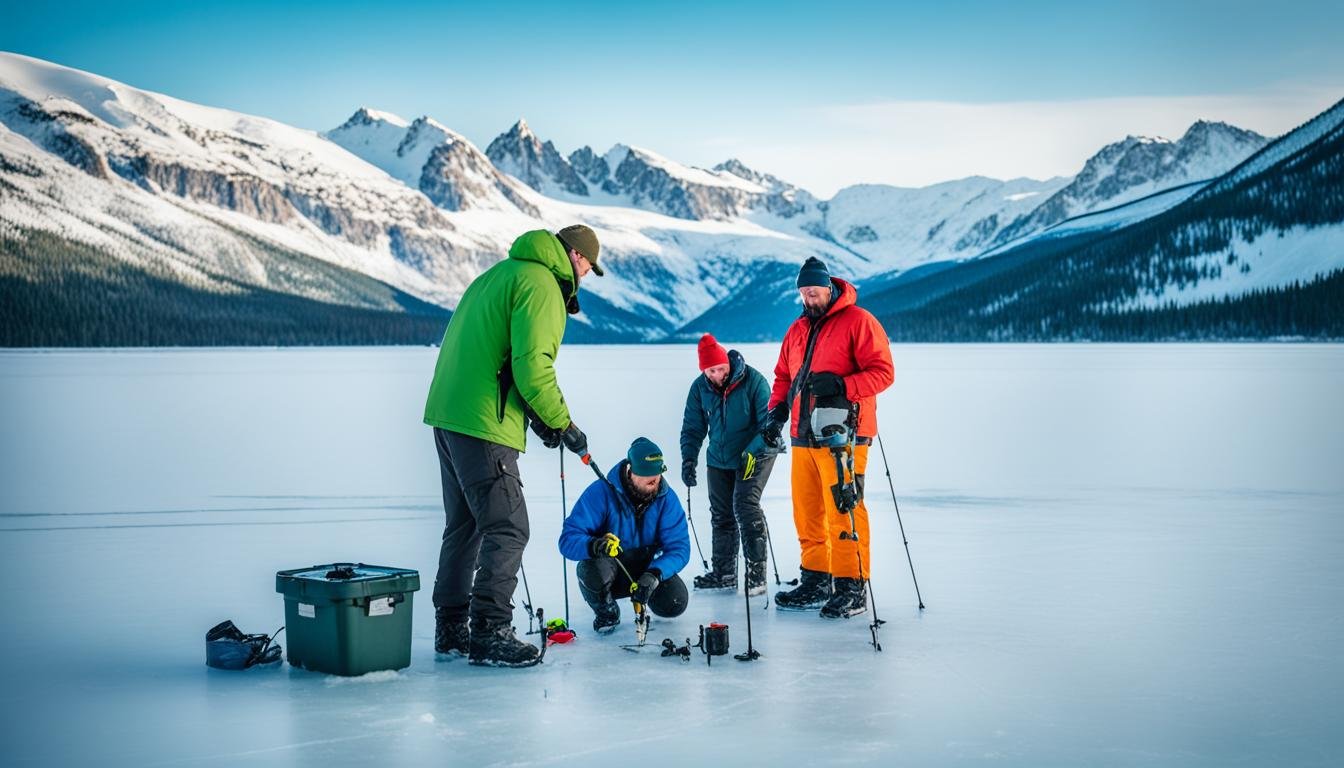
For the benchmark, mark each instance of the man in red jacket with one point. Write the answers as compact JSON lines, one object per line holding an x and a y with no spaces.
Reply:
{"x":836,"y":355}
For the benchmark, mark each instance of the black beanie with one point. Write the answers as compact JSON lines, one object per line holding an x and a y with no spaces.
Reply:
{"x":814,"y":272}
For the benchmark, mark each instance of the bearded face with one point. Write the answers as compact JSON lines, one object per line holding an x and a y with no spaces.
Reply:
{"x":816,"y":300}
{"x":640,"y":488}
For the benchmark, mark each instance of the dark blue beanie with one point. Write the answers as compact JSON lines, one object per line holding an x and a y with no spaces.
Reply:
{"x":814,"y":272}
{"x":646,"y":458}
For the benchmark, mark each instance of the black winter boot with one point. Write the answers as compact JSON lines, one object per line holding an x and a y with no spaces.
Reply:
{"x":606,"y":617}
{"x":756,"y":578}
{"x":850,"y":599}
{"x":496,"y":645}
{"x":812,"y":592}
{"x":450,"y":636}
{"x":717,"y":579}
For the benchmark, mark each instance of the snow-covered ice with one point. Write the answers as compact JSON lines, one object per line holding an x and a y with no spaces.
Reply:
{"x":1130,"y":556}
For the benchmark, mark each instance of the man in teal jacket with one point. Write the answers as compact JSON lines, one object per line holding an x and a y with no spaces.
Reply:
{"x":496,"y":373}
{"x":727,"y":403}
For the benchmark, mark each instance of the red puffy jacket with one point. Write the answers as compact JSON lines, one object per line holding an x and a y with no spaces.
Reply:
{"x":850,"y":343}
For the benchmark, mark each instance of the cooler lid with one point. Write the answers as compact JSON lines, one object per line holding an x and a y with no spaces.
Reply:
{"x":346,"y":580}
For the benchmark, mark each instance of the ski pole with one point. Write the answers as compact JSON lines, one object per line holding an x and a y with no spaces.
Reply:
{"x":691,"y":520}
{"x":564,"y":506}
{"x":527,"y":600}
{"x":892,"y":486}
{"x":587,"y":458}
{"x":774,"y":564}
{"x":752,"y":654}
{"x":847,"y":503}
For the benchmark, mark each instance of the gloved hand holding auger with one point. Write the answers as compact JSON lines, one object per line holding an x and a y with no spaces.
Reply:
{"x":575,"y":440}
{"x":642,"y":590}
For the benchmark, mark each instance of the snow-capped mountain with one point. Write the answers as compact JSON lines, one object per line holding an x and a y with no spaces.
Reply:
{"x":1140,"y":166}
{"x":428,"y":156}
{"x":902,"y":227}
{"x":226,"y":201}
{"x":1257,"y":252}
{"x":227,"y":179}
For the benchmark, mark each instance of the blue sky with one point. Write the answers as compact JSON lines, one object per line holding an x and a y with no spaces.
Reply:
{"x":823,"y":94}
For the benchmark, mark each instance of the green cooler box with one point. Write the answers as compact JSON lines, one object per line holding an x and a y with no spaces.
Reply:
{"x":348,"y":618}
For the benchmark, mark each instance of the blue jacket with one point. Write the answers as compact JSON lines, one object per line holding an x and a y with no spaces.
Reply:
{"x":604,"y":508}
{"x":732,"y":416}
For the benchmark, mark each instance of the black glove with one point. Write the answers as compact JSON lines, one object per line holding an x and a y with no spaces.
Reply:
{"x":688,"y":472}
{"x":825,"y":384}
{"x":780,"y":413}
{"x":606,"y":545}
{"x":575,"y":440}
{"x":772,"y":433}
{"x":641,"y":591}
{"x":550,"y":436}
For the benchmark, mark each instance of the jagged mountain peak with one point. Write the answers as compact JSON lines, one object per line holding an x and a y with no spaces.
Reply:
{"x":1138,"y":166}
{"x":428,"y":125}
{"x":519,"y":152}
{"x":742,"y":171}
{"x":370,"y":116}
{"x":521,"y":128}
{"x":1201,"y":128}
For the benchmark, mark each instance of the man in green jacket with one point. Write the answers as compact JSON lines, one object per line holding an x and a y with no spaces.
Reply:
{"x":496,"y":373}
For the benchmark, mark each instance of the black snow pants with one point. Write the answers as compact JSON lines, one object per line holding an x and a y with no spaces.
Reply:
{"x":735,"y":505}
{"x":602,"y":581}
{"x":484,"y":532}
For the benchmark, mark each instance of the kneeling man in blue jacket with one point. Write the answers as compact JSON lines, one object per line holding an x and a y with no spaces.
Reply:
{"x":628,"y":526}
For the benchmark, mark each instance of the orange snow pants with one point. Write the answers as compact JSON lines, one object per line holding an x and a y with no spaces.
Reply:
{"x":818,"y":521}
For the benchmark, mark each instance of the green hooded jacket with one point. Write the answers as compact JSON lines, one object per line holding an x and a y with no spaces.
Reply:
{"x":500,"y":346}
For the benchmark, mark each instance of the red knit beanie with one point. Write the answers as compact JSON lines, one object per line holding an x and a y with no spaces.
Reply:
{"x":711,"y":352}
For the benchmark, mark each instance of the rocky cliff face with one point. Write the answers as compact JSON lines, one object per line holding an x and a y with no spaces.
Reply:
{"x":457,"y":176}
{"x":519,"y":153}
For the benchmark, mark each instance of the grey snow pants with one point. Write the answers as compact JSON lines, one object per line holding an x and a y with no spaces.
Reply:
{"x":735,"y":505}
{"x":485,"y":529}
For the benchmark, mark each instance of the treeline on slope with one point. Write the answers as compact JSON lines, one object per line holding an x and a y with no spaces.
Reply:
{"x":56,"y":292}
{"x":1090,"y":288}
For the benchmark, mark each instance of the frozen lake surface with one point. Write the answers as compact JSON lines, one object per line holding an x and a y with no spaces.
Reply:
{"x":1131,"y":555}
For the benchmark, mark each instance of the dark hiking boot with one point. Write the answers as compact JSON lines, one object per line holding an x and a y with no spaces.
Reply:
{"x":450,"y":635}
{"x":495,"y":645}
{"x":756,"y":578}
{"x":850,"y":599}
{"x":717,"y":579}
{"x":812,"y":592}
{"x":606,"y":618}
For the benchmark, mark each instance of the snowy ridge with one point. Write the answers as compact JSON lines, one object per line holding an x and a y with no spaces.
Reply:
{"x":900,"y":228}
{"x":418,"y":206}
{"x":1316,"y":129}
{"x":1106,"y":218}
{"x":1138,"y":167}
